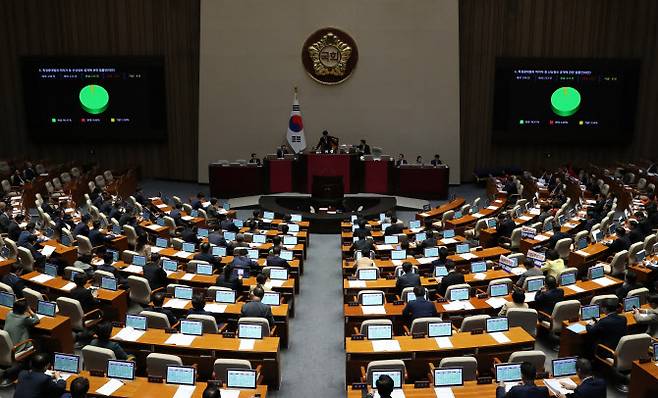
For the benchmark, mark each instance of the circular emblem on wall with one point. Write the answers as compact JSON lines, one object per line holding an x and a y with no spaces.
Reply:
{"x":329,"y":56}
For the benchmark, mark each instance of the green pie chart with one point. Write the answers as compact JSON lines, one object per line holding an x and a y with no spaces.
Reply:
{"x":94,"y":99}
{"x":565,"y":101}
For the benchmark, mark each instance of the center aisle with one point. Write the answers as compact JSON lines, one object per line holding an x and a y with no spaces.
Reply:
{"x":314,"y":364}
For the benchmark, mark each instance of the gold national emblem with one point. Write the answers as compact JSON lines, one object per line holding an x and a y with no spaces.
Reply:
{"x":329,"y":56}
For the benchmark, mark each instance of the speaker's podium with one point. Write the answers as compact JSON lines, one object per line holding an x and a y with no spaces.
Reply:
{"x":327,"y":191}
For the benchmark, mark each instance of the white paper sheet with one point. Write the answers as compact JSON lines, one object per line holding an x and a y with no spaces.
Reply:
{"x":496,"y":302}
{"x":582,"y":253}
{"x":47,"y":250}
{"x":246,"y":344}
{"x":556,"y":387}
{"x":277,"y":282}
{"x":155,"y":249}
{"x":468,"y":256}
{"x":385,"y":345}
{"x":134,"y":269}
{"x":373,"y":310}
{"x":525,"y":218}
{"x":447,"y":241}
{"x":153,"y":227}
{"x":65,"y":376}
{"x":184,"y":392}
{"x":396,"y":262}
{"x":215,"y":308}
{"x":529,"y":297}
{"x":111,"y":386}
{"x":230,"y":393}
{"x":426,"y":260}
{"x":182,"y":254}
{"x":577,"y":327}
{"x":180,"y":339}
{"x":477,"y":215}
{"x":575,"y":288}
{"x":356,"y":283}
{"x":492,"y":207}
{"x":187,"y":218}
{"x":176,"y":303}
{"x":384,"y":247}
{"x":129,"y":334}
{"x":68,"y":287}
{"x":605,"y":281}
{"x":458,"y":306}
{"x":500,"y":337}
{"x":479,"y":276}
{"x":541,"y":238}
{"x":443,"y":392}
{"x":397,"y":393}
{"x":443,"y":342}
{"x":161,"y":206}
{"x":570,"y":225}
{"x":187,"y":277}
{"x":41,"y":278}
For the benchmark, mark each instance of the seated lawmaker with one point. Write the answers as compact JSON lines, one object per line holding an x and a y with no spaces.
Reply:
{"x":153,"y":272}
{"x":527,"y":388}
{"x":19,"y":322}
{"x":420,"y":307}
{"x":199,"y":305}
{"x":649,"y":316}
{"x":454,"y":277}
{"x":621,"y":243}
{"x":82,"y":294}
{"x":408,"y":278}
{"x":96,"y":235}
{"x":243,"y":265}
{"x":35,"y":383}
{"x":82,"y":228}
{"x":275,"y":260}
{"x":518,"y":301}
{"x":157,"y":299}
{"x":197,"y":203}
{"x":554,"y":265}
{"x":13,"y":279}
{"x":630,"y":283}
{"x":362,"y":230}
{"x":102,"y":340}
{"x":362,"y":243}
{"x":590,"y":386}
{"x":205,"y":255}
{"x":549,"y":295}
{"x":395,"y":227}
{"x":530,"y":270}
{"x":255,"y":308}
{"x":609,"y":329}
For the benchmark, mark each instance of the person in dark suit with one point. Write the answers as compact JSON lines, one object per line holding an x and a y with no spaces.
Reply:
{"x":395,"y":227}
{"x":115,"y":212}
{"x":590,"y":386}
{"x":199,"y":305}
{"x":82,"y":294}
{"x":548,"y":296}
{"x":255,"y":308}
{"x":505,"y":226}
{"x":527,"y":388}
{"x":176,"y":214}
{"x":102,"y":340}
{"x":436,"y":161}
{"x":24,"y":237}
{"x":326,"y":143}
{"x":364,"y":149}
{"x":420,"y":307}
{"x":408,"y":278}
{"x":158,"y":301}
{"x":362,"y":244}
{"x":400,"y":160}
{"x":557,"y":235}
{"x":13,"y":280}
{"x":198,"y":202}
{"x":453,"y":278}
{"x":29,"y":173}
{"x":189,"y":234}
{"x":82,"y":228}
{"x":227,"y":224}
{"x":254,"y":160}
{"x":107,"y":266}
{"x":274,"y":260}
{"x":609,"y":329}
{"x":14,"y":230}
{"x":35,"y":383}
{"x":362,"y":230}
{"x":153,"y":272}
{"x":31,"y":245}
{"x":205,"y":255}
{"x":430,"y":241}
{"x":621,"y":243}
{"x":636,"y":234}
{"x":79,"y":388}
{"x":97,"y":237}
{"x":5,"y":217}
{"x":217,"y":239}
{"x":16,"y":179}
{"x":384,"y":385}
{"x":630,"y":283}
{"x":242,"y":263}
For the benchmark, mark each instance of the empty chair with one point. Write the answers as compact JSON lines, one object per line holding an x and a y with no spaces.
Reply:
{"x":221,"y":365}
{"x":617,"y":266}
{"x":13,"y":248}
{"x":525,"y":318}
{"x":156,"y":364}
{"x":25,"y":259}
{"x":535,"y":357}
{"x":419,"y":325}
{"x":95,"y":358}
{"x":469,"y":364}
{"x":139,"y":290}
{"x":390,"y":364}
{"x":156,"y":320}
{"x":84,"y":245}
{"x":473,"y":322}
{"x":32,"y":297}
{"x":6,"y":288}
{"x":630,"y":348}
{"x":641,"y":292}
{"x":632,"y":251}
{"x":131,"y":235}
{"x":603,"y":298}
{"x":79,"y":320}
{"x":11,"y":353}
{"x":107,"y":174}
{"x":187,"y":208}
{"x":563,"y":247}
{"x":374,"y":322}
{"x":563,"y":311}
{"x":262,"y":321}
{"x":208,"y":321}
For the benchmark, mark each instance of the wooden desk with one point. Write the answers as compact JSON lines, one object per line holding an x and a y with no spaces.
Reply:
{"x":205,"y":349}
{"x":484,"y":254}
{"x":141,"y":387}
{"x":387,"y":285}
{"x":644,"y":380}
{"x":113,"y":303}
{"x":581,"y":259}
{"x":418,"y":352}
{"x":644,"y":273}
{"x":67,"y":253}
{"x":438,"y":211}
{"x":54,"y":334}
{"x":5,"y":266}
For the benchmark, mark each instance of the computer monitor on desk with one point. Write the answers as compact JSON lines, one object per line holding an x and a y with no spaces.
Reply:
{"x":448,"y":377}
{"x":508,"y":372}
{"x":564,"y":367}
{"x":66,"y":363}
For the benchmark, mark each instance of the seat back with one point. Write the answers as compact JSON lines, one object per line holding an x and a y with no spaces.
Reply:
{"x":419,"y":325}
{"x":548,"y":220}
{"x":479,"y":226}
{"x":6,"y":350}
{"x":127,"y":256}
{"x":373,"y":322}
{"x":649,"y":241}
{"x":6,"y":288}
{"x":473,"y":322}
{"x":262,"y":321}
{"x":26,"y":259}
{"x":535,"y":357}
{"x":84,"y":245}
{"x":564,"y":311}
{"x":457,"y":286}
{"x":131,"y":235}
{"x":468,"y":364}
{"x":603,"y":297}
{"x":515,"y":238}
{"x":563,"y":247}
{"x":208,"y":321}
{"x":13,"y":248}
{"x":222,"y":365}
{"x":405,"y":293}
{"x":448,"y":215}
{"x":156,"y":364}
{"x":95,"y":358}
{"x":631,"y":348}
{"x":525,"y":318}
{"x":67,"y":232}
{"x":71,"y":308}
{"x":98,"y":274}
{"x":156,"y":320}
{"x":390,"y":364}
{"x":140,"y":291}
{"x":632,"y":251}
{"x":32,"y":297}
{"x":619,"y":263}
{"x":641,"y":292}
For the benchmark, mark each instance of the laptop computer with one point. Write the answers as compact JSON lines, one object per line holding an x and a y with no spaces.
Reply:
{"x":188,"y":247}
{"x":596,"y":271}
{"x":289,"y":240}
{"x":247,"y":330}
{"x":241,"y":378}
{"x":108,"y":283}
{"x":391,"y":239}
{"x":66,"y":363}
{"x":46,"y":308}
{"x":372,"y":299}
{"x":204,"y":269}
{"x":123,"y":370}
{"x":447,"y":377}
{"x":170,"y":265}
{"x":478,"y":266}
{"x":508,"y":372}
{"x":431,"y":252}
{"x":396,"y":375}
{"x":136,"y":322}
{"x":448,"y":233}
{"x":499,"y":290}
{"x":253,"y":254}
{"x":7,"y":299}
{"x":258,"y":238}
{"x":421,"y":236}
{"x":564,"y":367}
{"x":161,"y":242}
{"x":287,"y":255}
{"x":219,"y":251}
{"x":588,"y":312}
{"x":462,"y":248}
{"x":567,"y":279}
{"x":193,"y":328}
{"x":440,"y":271}
{"x":366,"y":274}
{"x":280,"y":274}
{"x":50,"y":269}
{"x":398,"y":254}
{"x":139,"y":261}
{"x":535,"y":285}
{"x":271,"y":298}
{"x":228,"y":235}
{"x":183,"y":292}
{"x":225,"y":296}
{"x":379,"y":332}
{"x":183,"y":375}
{"x":459,"y":294}
{"x":439,"y":329}
{"x":631,"y":302}
{"x":414,"y":224}
{"x":497,"y":325}
{"x":296,"y":217}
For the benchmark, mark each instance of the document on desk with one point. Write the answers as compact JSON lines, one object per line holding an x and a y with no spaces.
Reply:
{"x":384,"y":247}
{"x":373,"y":310}
{"x":477,"y":215}
{"x":68,"y":287}
{"x":492,"y":207}
{"x":155,"y":249}
{"x":65,"y":376}
{"x":426,"y":260}
{"x":185,"y":392}
{"x":500,"y":337}
{"x":230,"y":393}
{"x":577,"y":327}
{"x":479,"y":276}
{"x":187,"y":218}
{"x":396,"y":262}
{"x":443,"y":342}
{"x":424,"y":214}
{"x":534,"y":211}
{"x":110,"y":387}
{"x":443,"y":392}
{"x":541,"y":238}
{"x":468,"y":256}
{"x":176,"y":303}
{"x":133,"y":269}
{"x":129,"y":334}
{"x":182,"y":254}
{"x":605,"y":281}
{"x":529,"y":297}
{"x":187,"y":277}
{"x":458,"y":306}
{"x":496,"y":302}
{"x":153,"y":227}
{"x":570,"y":225}
{"x":447,"y":241}
{"x":525,"y":218}
{"x":555,"y":386}
{"x":277,"y":282}
{"x":356,"y":283}
{"x":47,"y":250}
{"x":180,"y":339}
{"x":161,"y":206}
{"x":415,"y":230}
{"x":246,"y":344}
{"x":215,"y":308}
{"x":575,"y":288}
{"x":385,"y":345}
{"x":582,"y":253}
{"x":41,"y":278}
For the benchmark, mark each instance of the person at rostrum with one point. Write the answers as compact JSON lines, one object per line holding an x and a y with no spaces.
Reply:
{"x":364,"y":148}
{"x":255,"y":308}
{"x":527,"y":388}
{"x":420,"y":307}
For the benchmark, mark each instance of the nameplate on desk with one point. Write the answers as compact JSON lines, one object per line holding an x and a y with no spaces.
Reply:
{"x":359,"y":386}
{"x":358,"y":336}
{"x":398,"y":302}
{"x":96,"y":373}
{"x":118,"y":324}
{"x":353,"y":304}
{"x":170,"y":330}
{"x":228,"y":335}
{"x":155,"y":379}
{"x":484,"y":380}
{"x":422,"y":384}
{"x":477,"y":331}
{"x":420,"y":335}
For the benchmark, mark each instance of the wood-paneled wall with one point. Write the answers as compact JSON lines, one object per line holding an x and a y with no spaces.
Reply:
{"x":104,"y":28}
{"x":552,"y":28}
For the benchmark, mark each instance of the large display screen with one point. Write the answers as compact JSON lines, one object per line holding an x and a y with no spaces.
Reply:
{"x":91,"y":98}
{"x":562,"y":101}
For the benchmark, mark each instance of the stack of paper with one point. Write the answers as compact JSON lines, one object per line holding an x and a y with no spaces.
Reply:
{"x":180,"y":339}
{"x":187,"y":277}
{"x":525,"y":218}
{"x":373,"y":310}
{"x":246,"y":344}
{"x":356,"y":283}
{"x":41,"y":278}
{"x":529,"y":297}
{"x":68,"y":287}
{"x":134,"y":269}
{"x":176,"y":303}
{"x":424,"y":214}
{"x":517,"y":270}
{"x":555,"y":386}
{"x":215,"y":308}
{"x":230,"y":393}
{"x":458,"y":306}
{"x":154,"y":227}
{"x":129,"y":334}
{"x":182,"y":254}
{"x":110,"y":387}
{"x":447,"y":241}
{"x":385,"y":345}
{"x":426,"y":260}
{"x":496,"y":302}
{"x":185,"y":392}
{"x":47,"y":250}
{"x":605,"y":281}
{"x":500,"y":337}
{"x":443,"y":342}
{"x":443,"y":392}
{"x":541,"y":238}
{"x":468,"y":256}
{"x":479,"y":276}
